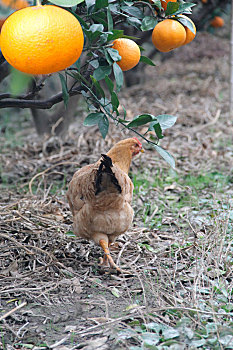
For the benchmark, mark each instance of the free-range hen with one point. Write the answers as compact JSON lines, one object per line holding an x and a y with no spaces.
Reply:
{"x":100,"y":194}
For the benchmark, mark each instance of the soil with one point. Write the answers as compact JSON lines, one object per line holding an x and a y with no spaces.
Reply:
{"x":63,"y":299}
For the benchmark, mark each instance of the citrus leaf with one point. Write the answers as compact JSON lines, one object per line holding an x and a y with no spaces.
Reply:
{"x":99,"y":4}
{"x":141,"y":120}
{"x":118,"y":74}
{"x":148,"y":23}
{"x":172,"y":7}
{"x":114,"y":54}
{"x":101,"y":72}
{"x":147,"y":60}
{"x":93,"y":119}
{"x":114,"y":101}
{"x":135,"y":22}
{"x":182,"y":8}
{"x":166,"y":120}
{"x":98,"y":87}
{"x":65,"y":93}
{"x":109,"y":83}
{"x":133,"y":11}
{"x":66,"y":3}
{"x":103,"y":125}
{"x":166,"y":155}
{"x":185,"y":22}
{"x":110,"y":20}
{"x":157,"y":129}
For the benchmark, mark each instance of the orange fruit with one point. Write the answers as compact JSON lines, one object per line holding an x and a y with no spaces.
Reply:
{"x":165,"y":2}
{"x":204,"y":1}
{"x":217,"y":22}
{"x":129,"y":52}
{"x":15,"y":4}
{"x":189,"y":34}
{"x":41,"y":39}
{"x":168,"y":35}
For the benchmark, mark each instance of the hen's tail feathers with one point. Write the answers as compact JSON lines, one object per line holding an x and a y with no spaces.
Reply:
{"x":105,"y":168}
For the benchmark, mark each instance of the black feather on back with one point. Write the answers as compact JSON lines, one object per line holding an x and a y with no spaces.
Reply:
{"x":105,"y":167}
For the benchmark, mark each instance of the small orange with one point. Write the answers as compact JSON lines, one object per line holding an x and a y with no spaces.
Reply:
{"x":217,"y":22}
{"x":165,"y":2}
{"x":129,"y":52}
{"x":41,"y":39}
{"x":204,"y":1}
{"x":15,"y":4}
{"x":189,"y":34}
{"x":168,"y":35}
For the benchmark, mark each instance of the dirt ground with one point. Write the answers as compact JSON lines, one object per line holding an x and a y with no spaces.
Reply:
{"x":179,"y":248}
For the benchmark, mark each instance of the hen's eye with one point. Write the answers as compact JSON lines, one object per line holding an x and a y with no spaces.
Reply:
{"x":135,"y":145}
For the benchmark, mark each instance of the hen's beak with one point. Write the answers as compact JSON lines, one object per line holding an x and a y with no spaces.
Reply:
{"x":142,"y":150}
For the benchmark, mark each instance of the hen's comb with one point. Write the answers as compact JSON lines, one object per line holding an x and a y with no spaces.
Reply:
{"x":135,"y":138}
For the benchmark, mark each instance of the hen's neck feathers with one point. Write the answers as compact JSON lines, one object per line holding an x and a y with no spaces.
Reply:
{"x":121,"y":156}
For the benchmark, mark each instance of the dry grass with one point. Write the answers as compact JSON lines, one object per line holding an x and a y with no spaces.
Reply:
{"x":179,"y":252}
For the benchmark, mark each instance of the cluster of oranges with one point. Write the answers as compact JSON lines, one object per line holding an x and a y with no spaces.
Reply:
{"x":33,"y":42}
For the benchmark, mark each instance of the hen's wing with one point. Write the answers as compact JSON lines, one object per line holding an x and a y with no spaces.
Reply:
{"x":95,"y":183}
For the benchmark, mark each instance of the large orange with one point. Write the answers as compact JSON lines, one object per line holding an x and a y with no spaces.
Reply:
{"x":15,"y":4}
{"x":189,"y":34}
{"x":41,"y":39}
{"x":168,"y":35}
{"x":217,"y":22}
{"x":165,"y":2}
{"x":129,"y":52}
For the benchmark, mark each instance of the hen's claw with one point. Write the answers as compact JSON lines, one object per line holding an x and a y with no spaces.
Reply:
{"x":107,"y":259}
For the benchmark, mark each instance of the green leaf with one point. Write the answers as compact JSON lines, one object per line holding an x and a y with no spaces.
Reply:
{"x":166,"y":155}
{"x":185,"y":23}
{"x":150,"y":340}
{"x":132,"y":11}
{"x":97,"y":86}
{"x":89,"y":3}
{"x":103,"y":125}
{"x":147,"y":60}
{"x":170,"y":333}
{"x":66,"y":3}
{"x":93,"y":119}
{"x":166,"y":120}
{"x":148,"y":23}
{"x":114,"y":101}
{"x":114,"y":54}
{"x":99,"y":4}
{"x":65,"y":93}
{"x":109,"y":83}
{"x":172,"y":7}
{"x":110,"y":20}
{"x":101,"y":72}
{"x":135,"y":22}
{"x":182,"y":7}
{"x":116,"y":33}
{"x":141,"y":120}
{"x":19,"y":81}
{"x":157,"y":128}
{"x":115,"y":292}
{"x":118,"y":74}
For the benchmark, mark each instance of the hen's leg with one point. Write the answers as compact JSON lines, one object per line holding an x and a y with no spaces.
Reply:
{"x":107,"y":257}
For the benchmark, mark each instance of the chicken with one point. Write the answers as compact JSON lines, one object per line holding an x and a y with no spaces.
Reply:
{"x":100,"y":194}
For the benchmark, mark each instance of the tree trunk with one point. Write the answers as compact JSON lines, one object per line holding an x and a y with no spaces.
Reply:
{"x":57,"y":122}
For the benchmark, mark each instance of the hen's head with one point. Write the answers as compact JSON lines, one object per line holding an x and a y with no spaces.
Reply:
{"x":123,"y":151}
